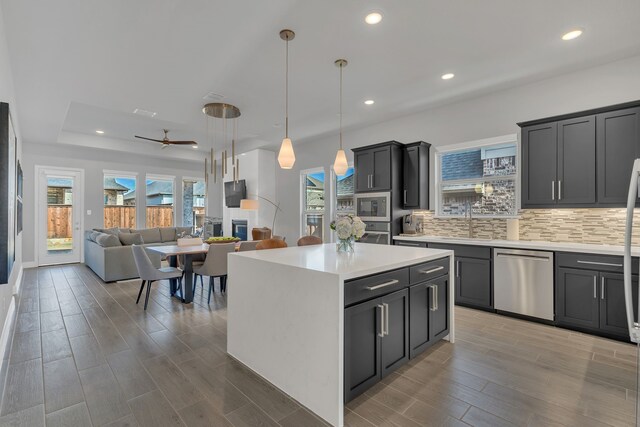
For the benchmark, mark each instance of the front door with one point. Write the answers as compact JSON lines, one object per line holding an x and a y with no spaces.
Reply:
{"x":59,"y":215}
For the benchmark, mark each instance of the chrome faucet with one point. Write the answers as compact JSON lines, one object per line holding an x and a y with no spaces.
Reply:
{"x":470,"y":217}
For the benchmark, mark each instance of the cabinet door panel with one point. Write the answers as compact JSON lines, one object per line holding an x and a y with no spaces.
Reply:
{"x":411,"y":177}
{"x":577,"y":297}
{"x":395,"y":345}
{"x":613,"y":314}
{"x":473,"y":282}
{"x":618,"y":145}
{"x":419,"y":318}
{"x":539,"y":164}
{"x":363,"y":162}
{"x":361,"y":347}
{"x":439,"y":321}
{"x":382,"y":169}
{"x":577,"y":161}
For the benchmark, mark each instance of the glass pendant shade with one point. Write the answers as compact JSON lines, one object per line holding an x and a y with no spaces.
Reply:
{"x":286,"y":156}
{"x":340,"y":165}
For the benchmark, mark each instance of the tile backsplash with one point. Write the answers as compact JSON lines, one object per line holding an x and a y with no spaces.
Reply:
{"x":599,"y":226}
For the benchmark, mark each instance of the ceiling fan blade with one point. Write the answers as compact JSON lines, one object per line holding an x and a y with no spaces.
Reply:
{"x":149,"y":139}
{"x":183,"y":142}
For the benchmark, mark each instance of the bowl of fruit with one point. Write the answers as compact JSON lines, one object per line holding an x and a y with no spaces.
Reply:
{"x":222,"y":239}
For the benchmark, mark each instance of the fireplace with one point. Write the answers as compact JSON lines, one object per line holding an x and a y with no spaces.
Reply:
{"x":239,"y":228}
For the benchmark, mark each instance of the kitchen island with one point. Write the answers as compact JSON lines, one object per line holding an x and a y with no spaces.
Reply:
{"x":324,"y":326}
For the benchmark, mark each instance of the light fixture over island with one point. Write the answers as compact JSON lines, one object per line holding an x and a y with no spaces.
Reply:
{"x":324,"y":326}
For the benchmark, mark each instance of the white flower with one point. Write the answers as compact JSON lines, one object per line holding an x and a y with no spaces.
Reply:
{"x":344,"y":228}
{"x":358,"y":227}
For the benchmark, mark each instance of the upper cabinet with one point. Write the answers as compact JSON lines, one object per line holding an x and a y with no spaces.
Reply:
{"x":375,"y":166}
{"x":416,"y":175}
{"x":580,"y":160}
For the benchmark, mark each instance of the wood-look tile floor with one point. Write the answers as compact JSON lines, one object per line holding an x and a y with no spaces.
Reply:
{"x":84,"y":354}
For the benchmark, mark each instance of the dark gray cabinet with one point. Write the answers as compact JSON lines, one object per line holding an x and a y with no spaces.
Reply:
{"x":582,"y":159}
{"x":373,"y":168}
{"x":412,"y":244}
{"x":576,"y":183}
{"x":473,"y":282}
{"x":613,"y":315}
{"x":618,"y":145}
{"x":539,"y":164}
{"x":577,"y":301}
{"x":429,"y":316}
{"x":376,"y":340}
{"x":416,"y":175}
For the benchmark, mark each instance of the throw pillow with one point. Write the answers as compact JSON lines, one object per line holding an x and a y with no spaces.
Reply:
{"x":108,"y":240}
{"x":149,"y":235}
{"x":128,"y":239}
{"x":168,"y":234}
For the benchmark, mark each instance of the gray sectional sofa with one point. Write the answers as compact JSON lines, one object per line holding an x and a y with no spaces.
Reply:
{"x":108,"y":251}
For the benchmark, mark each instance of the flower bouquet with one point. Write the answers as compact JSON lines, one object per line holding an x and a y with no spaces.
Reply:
{"x":348,"y":228}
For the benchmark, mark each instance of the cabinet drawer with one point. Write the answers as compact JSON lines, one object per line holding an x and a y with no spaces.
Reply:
{"x":608,"y":263}
{"x":412,"y":244}
{"x":466,"y":251}
{"x":428,"y":270}
{"x":376,"y":285}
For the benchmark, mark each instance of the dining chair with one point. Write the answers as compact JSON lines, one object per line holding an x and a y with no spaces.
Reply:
{"x":248,"y":246}
{"x":149,"y":273}
{"x":309,"y":240}
{"x":261,"y":233}
{"x":215,"y":265}
{"x":271,"y":244}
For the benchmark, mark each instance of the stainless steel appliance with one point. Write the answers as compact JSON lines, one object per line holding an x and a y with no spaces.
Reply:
{"x":523,"y":282}
{"x":377,"y":232}
{"x":409,"y":224}
{"x":373,"y":206}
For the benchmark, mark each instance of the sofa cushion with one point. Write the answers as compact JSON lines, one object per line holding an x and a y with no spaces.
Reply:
{"x":168,"y":234}
{"x":149,"y":235}
{"x":128,"y":239}
{"x":182,"y":232}
{"x":107,"y":240}
{"x":94,"y":234}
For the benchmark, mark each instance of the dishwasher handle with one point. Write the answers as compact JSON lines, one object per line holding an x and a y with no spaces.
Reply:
{"x":531,"y":257}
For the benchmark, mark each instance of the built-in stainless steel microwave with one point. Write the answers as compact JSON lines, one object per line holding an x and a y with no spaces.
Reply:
{"x":378,"y":233}
{"x":373,"y":206}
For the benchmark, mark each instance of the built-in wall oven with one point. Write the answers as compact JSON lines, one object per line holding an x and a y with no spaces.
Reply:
{"x":378,"y":233}
{"x":373,"y":206}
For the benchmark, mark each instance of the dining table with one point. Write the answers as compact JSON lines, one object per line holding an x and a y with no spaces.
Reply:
{"x":172,"y":252}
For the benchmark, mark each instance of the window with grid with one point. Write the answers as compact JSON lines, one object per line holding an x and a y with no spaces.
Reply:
{"x":482,"y":179}
{"x":159,"y":196}
{"x":313,"y":206}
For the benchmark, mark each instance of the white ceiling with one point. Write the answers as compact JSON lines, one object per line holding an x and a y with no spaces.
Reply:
{"x":84,"y":65}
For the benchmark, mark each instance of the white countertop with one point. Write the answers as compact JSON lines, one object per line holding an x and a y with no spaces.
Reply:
{"x":524,"y":244}
{"x":367,"y":258}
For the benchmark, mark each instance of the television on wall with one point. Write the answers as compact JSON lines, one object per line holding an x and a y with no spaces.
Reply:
{"x":234,"y":192}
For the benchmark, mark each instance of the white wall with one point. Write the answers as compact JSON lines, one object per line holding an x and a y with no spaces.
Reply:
{"x":7,"y":94}
{"x":483,"y":117}
{"x":257,"y":168}
{"x":94,"y":162}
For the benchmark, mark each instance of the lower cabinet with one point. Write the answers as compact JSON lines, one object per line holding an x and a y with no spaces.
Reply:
{"x":428,"y":314}
{"x":593,"y":300}
{"x":376,"y":340}
{"x":473,"y":284}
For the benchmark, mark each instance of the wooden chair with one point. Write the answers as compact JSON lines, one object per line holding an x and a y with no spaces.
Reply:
{"x":149,"y":273}
{"x":309,"y":240}
{"x":248,"y":246}
{"x":271,"y":244}
{"x":215,"y":265}
{"x":261,"y":233}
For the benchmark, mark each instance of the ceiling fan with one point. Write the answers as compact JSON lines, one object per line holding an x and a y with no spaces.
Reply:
{"x":166,"y":142}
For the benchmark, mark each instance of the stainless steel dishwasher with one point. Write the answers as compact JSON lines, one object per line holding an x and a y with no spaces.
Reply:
{"x":523,"y":282}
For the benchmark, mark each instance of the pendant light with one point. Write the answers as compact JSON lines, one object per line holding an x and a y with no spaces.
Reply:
{"x":286,"y":156}
{"x":340,"y":165}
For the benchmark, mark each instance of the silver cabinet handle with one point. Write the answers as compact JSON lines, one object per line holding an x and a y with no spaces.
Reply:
{"x":602,"y":288}
{"x":599,"y":263}
{"x":532,"y":257}
{"x":559,"y":189}
{"x":457,"y":268}
{"x":381,"y":311}
{"x":434,"y":297}
{"x":373,"y":182}
{"x":553,"y":190}
{"x":383,"y":285}
{"x":433,"y":270}
{"x":405,"y":197}
{"x":386,"y":319}
{"x":410,"y":244}
{"x":595,"y":287}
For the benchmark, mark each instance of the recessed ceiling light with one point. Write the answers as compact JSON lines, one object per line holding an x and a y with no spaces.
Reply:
{"x":373,"y":18}
{"x":573,"y":34}
{"x":195,"y":147}
{"x":100,"y":131}
{"x":369,"y":102}
{"x":145,"y":113}
{"x":448,"y":76}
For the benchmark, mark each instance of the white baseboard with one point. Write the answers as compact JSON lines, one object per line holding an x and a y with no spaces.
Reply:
{"x":16,"y":286}
{"x":8,"y":327}
{"x":29,"y":264}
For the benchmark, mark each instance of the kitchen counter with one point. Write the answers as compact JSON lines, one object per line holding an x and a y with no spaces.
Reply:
{"x":524,"y":244}
{"x":285,"y":311}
